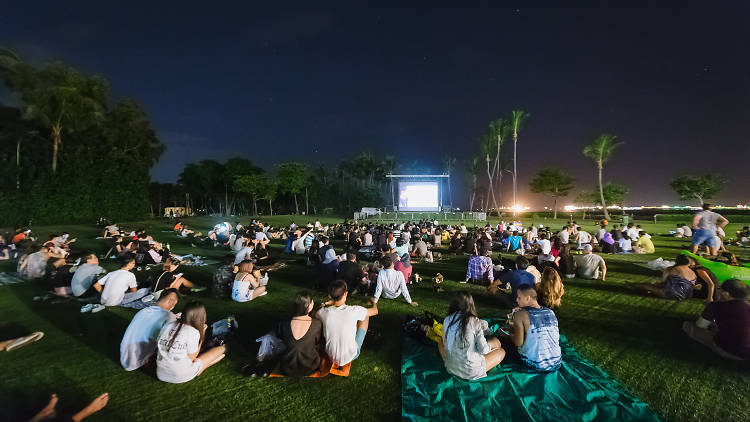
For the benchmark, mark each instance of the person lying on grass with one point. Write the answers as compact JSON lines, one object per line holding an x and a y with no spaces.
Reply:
{"x":302,"y":337}
{"x":49,"y":412}
{"x":119,"y":288}
{"x":344,"y":326}
{"x":724,"y":325}
{"x":248,"y":283}
{"x":178,"y":349}
{"x":391,"y":283}
{"x":534,"y":331}
{"x":139,"y":342}
{"x":466,"y":350}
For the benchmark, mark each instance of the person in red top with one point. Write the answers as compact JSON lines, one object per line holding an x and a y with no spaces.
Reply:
{"x":178,"y":226}
{"x":724,"y":325}
{"x":23,"y":234}
{"x":404,"y":265}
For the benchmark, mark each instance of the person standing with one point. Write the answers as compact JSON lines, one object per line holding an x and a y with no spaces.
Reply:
{"x":706,"y":224}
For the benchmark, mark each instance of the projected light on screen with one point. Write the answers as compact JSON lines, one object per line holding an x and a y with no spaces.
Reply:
{"x":418,"y":196}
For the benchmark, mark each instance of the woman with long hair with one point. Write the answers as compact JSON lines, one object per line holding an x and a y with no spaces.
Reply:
{"x":167,"y":279}
{"x":178,"y":359}
{"x":302,"y":336}
{"x":248,"y":284}
{"x":550,"y":289}
{"x":466,"y":351}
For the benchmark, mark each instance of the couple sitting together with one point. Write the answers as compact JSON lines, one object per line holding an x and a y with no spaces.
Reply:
{"x":470,"y":349}
{"x":336,"y":329}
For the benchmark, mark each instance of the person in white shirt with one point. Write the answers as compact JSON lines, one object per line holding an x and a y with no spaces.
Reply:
{"x":391,"y":283}
{"x":564,"y":235}
{"x":260,"y":237}
{"x":583,"y":238}
{"x":590,"y":265}
{"x":120,"y":287}
{"x":368,"y":238}
{"x":178,"y":348}
{"x":632,"y":232}
{"x":344,"y":326}
{"x":467,"y":350}
{"x":139,"y":342}
{"x":84,"y":276}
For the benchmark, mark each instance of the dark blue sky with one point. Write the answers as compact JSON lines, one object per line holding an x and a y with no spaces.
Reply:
{"x":318,"y":83}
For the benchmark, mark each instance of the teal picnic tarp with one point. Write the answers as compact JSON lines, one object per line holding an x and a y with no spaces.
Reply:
{"x":579,"y":391}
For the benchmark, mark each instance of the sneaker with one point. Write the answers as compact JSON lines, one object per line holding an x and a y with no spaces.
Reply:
{"x":87,"y":308}
{"x":23,"y":341}
{"x":97,"y":308}
{"x":148,"y":298}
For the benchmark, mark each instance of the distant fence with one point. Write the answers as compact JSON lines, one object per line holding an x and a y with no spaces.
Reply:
{"x":415,"y":216}
{"x":688,"y":218}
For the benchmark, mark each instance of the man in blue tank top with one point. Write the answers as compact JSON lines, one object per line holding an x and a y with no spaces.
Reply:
{"x":535,"y":332}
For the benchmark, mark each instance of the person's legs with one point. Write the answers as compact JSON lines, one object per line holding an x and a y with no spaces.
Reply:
{"x":96,"y":405}
{"x":211,"y":356}
{"x":706,"y":337}
{"x":361,"y":333}
{"x":493,"y":358}
{"x":181,"y":281}
{"x":133,"y":296}
{"x":258,"y":291}
{"x":48,"y":411}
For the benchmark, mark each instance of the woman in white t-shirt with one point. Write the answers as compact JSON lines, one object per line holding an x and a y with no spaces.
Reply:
{"x":180,"y":342}
{"x":247,"y":284}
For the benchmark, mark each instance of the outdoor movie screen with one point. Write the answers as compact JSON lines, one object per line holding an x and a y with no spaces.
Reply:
{"x":418,"y":196}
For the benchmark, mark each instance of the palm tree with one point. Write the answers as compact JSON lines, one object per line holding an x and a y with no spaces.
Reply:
{"x":473,"y":171}
{"x":517,"y":120}
{"x":8,"y":58}
{"x":449,"y":163}
{"x":600,"y":151}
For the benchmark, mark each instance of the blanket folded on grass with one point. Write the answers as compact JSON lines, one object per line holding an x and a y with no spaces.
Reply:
{"x":578,"y":391}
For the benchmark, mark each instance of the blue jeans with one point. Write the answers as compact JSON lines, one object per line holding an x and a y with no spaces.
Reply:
{"x":360,"y":338}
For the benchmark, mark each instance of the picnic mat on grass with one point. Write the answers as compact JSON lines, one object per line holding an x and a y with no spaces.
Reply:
{"x":578,"y":391}
{"x":8,"y":279}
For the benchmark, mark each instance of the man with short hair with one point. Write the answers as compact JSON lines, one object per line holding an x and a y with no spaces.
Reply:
{"x":352,"y":273}
{"x":120,"y":287}
{"x":139,"y":342}
{"x":421,"y":251}
{"x":516,"y":278}
{"x":589,"y":265}
{"x":706,"y":224}
{"x":536,"y":333}
{"x":344,"y":326}
{"x":391,"y":283}
{"x":724,"y":325}
{"x":564,"y":235}
{"x":83,"y":278}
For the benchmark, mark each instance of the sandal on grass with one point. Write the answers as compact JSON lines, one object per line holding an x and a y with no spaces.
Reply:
{"x":23,"y":341}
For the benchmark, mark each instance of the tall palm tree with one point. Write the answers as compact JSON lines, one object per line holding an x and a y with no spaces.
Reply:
{"x":517,"y":120}
{"x":600,"y":151}
{"x":473,"y":171}
{"x":8,"y":58}
{"x":449,"y":163}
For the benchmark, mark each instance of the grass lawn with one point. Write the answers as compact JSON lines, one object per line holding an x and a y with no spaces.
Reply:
{"x":635,"y":338}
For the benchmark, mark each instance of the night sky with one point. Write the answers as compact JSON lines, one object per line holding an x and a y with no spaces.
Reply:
{"x":316,"y":84}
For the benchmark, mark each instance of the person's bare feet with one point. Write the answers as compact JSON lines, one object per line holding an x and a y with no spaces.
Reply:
{"x":96,"y":405}
{"x":48,"y":411}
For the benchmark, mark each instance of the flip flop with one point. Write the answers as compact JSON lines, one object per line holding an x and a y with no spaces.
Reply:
{"x":23,"y":341}
{"x":96,"y":308}
{"x":87,"y":308}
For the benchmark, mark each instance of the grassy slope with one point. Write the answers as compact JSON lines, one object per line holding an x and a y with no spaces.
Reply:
{"x":636,"y":339}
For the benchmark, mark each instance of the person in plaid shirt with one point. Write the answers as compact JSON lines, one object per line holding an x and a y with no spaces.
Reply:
{"x":480,"y":268}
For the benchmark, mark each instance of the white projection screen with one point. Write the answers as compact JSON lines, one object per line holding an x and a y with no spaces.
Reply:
{"x":418,"y":196}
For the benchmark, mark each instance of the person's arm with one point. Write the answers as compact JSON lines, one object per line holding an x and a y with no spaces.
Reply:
{"x":372,"y":310}
{"x":723,"y":221}
{"x":378,"y":289}
{"x":603,"y":267}
{"x":405,"y":290}
{"x":520,"y":325}
{"x":696,"y":219}
{"x":99,"y":285}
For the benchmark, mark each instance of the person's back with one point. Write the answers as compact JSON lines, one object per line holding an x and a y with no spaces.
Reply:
{"x":339,"y":330}
{"x":587,"y":266}
{"x":646,"y":244}
{"x":351,"y":272}
{"x":300,"y":356}
{"x":541,"y":350}
{"x":176,"y":342}
{"x":116,"y":284}
{"x":83,"y":278}
{"x":514,"y":243}
{"x":464,"y":354}
{"x":391,"y":283}
{"x":708,"y":220}
{"x":139,"y":342}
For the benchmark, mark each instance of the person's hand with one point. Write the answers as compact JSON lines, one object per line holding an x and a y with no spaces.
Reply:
{"x":205,"y":326}
{"x":414,"y":304}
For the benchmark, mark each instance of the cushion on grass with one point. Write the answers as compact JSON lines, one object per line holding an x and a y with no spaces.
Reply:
{"x":578,"y":391}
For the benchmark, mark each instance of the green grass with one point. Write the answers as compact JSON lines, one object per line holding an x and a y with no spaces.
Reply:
{"x":635,"y":338}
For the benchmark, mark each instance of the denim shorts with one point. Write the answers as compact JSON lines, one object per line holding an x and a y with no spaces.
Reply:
{"x":703,"y":236}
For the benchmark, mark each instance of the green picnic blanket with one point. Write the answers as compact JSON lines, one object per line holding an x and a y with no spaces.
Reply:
{"x":578,"y":391}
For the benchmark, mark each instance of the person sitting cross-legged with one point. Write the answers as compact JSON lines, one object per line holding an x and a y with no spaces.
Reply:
{"x":179,"y":358}
{"x":466,"y":350}
{"x":516,"y":278}
{"x":138,"y":344}
{"x":248,"y":283}
{"x":391,"y":283}
{"x":479,"y":269}
{"x":534,"y":331}
{"x":119,"y":288}
{"x":724,"y":325}
{"x":344,"y":326}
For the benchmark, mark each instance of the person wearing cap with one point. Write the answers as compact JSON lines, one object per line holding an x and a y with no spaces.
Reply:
{"x":546,"y":253}
{"x":589,"y":265}
{"x":724,"y":325}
